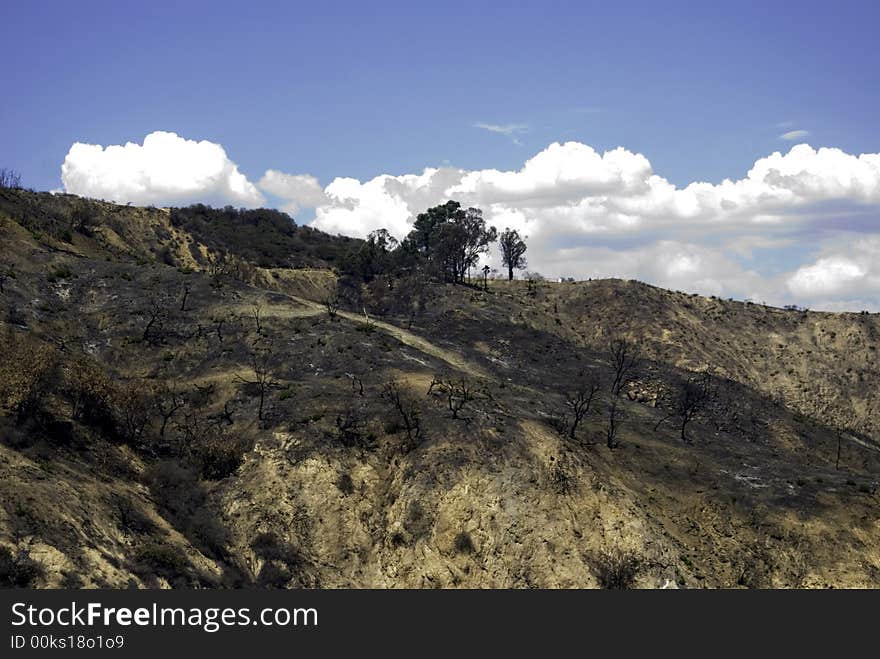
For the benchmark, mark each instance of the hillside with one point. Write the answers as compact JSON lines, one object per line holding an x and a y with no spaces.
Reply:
{"x":180,"y":406}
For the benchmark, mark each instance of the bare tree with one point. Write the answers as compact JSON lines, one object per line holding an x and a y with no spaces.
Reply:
{"x":578,"y":403}
{"x":693,"y":399}
{"x":407,"y":409}
{"x":263,"y":378}
{"x":155,"y":312}
{"x":185,"y":294}
{"x":132,"y":403}
{"x":256,"y":314}
{"x":349,"y":426}
{"x":357,"y":384}
{"x":614,"y":414}
{"x":625,"y":359}
{"x":224,"y":415}
{"x":218,"y":327}
{"x":220,"y":266}
{"x":458,"y":393}
{"x":169,"y":399}
{"x":10,"y":179}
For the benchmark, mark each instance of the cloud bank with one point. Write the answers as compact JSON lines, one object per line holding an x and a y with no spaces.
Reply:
{"x":799,"y":227}
{"x":609,"y":214}
{"x":574,"y":189}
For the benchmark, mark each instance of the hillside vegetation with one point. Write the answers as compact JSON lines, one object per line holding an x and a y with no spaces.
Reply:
{"x":220,"y":398}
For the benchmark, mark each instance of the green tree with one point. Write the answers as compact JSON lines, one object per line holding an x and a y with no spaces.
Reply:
{"x":425,"y":227}
{"x":372,"y":257}
{"x":513,"y":248}
{"x":478,"y":237}
{"x":452,"y":239}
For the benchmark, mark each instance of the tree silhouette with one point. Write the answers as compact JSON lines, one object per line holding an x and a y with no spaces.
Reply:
{"x":513,"y":249}
{"x":407,"y":409}
{"x":625,"y":358}
{"x":264,"y":379}
{"x":578,"y":402}
{"x":693,"y":399}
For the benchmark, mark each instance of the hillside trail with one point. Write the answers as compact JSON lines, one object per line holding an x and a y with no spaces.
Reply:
{"x":387,"y":492}
{"x":311,"y":308}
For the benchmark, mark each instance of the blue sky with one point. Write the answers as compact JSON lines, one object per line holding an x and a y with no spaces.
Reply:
{"x":365,"y":89}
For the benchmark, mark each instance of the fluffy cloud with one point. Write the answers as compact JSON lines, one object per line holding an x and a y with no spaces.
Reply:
{"x":297,"y":190}
{"x":613,"y":193}
{"x":389,"y":202}
{"x":851,"y":270}
{"x":166,"y":169}
{"x":560,"y":173}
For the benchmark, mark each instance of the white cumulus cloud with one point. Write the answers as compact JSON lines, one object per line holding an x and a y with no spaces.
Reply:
{"x":390,"y":202}
{"x":578,"y":190}
{"x":827,"y":275}
{"x":850,"y":268}
{"x":297,"y":190}
{"x":166,"y":169}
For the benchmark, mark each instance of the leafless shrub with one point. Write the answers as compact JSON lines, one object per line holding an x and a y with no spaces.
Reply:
{"x":406,"y":408}
{"x":10,"y":179}
{"x":331,"y":304}
{"x":263,"y":375}
{"x":349,"y":426}
{"x":357,"y":385}
{"x":223,"y":416}
{"x":458,"y":393}
{"x":615,"y":570}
